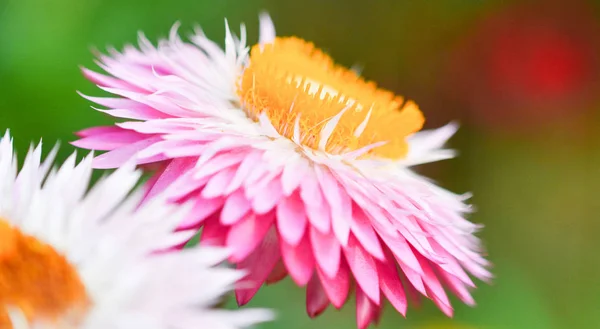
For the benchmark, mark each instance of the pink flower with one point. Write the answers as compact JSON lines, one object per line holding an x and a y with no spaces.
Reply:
{"x":297,"y":165}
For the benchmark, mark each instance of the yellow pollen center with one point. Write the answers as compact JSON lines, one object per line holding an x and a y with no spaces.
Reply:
{"x":37,"y":280}
{"x":291,"y":81}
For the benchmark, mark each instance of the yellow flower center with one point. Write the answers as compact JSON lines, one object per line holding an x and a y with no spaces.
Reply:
{"x":290,"y":80}
{"x":37,"y":280}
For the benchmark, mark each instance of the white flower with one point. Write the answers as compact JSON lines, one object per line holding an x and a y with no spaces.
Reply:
{"x":96,"y":259}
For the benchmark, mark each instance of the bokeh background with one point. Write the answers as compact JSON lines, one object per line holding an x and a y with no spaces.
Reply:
{"x":520,"y":76}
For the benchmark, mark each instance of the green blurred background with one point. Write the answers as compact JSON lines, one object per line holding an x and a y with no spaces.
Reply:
{"x":521,"y":77}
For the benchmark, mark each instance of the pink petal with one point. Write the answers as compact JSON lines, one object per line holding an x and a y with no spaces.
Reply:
{"x":202,"y":209}
{"x":391,"y":286}
{"x":316,"y":299}
{"x":316,"y":208}
{"x":106,"y":81}
{"x":118,"y":157}
{"x":291,"y":219}
{"x":255,"y":175}
{"x":216,"y":164}
{"x":293,"y":174}
{"x":339,"y":202}
{"x":413,"y":294}
{"x":140,"y":113}
{"x":363,"y":231}
{"x":246,"y":234}
{"x":319,"y":217}
{"x":218,"y":183}
{"x":156,"y":101}
{"x":249,"y":162}
{"x":366,"y":311}
{"x":402,"y":251}
{"x":185,"y":185}
{"x":338,"y":287}
{"x":266,"y":198}
{"x":174,"y":169}
{"x":236,"y":206}
{"x":363,"y":268}
{"x":451,"y":266}
{"x":258,"y":266}
{"x":327,"y":251}
{"x":164,"y":147}
{"x":158,"y":169}
{"x":298,"y":260}
{"x":413,"y":277}
{"x":310,"y":191}
{"x":124,"y":103}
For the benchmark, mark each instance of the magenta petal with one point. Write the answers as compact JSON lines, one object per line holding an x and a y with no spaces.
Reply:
{"x":213,"y":233}
{"x":327,"y":251}
{"x":391,"y":286}
{"x":413,"y":277}
{"x":236,"y":206}
{"x":298,"y":260}
{"x":363,"y":268}
{"x":88,"y":132}
{"x":457,"y":287}
{"x":366,"y":311}
{"x":363,"y":231}
{"x":278,"y":273}
{"x":445,"y":308}
{"x":316,"y":299}
{"x":336,"y":288}
{"x":291,"y":219}
{"x":434,"y":286}
{"x":109,"y":141}
{"x":258,"y":266}
{"x":246,"y":234}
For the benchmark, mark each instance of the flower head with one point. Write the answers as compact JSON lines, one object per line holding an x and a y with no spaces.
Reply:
{"x":73,"y":258}
{"x":298,"y":165}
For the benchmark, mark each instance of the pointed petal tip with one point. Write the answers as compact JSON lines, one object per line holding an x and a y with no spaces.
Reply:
{"x":267,"y":28}
{"x":242,"y":297}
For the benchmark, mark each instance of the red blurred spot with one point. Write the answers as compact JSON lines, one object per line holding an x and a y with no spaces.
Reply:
{"x":538,"y":62}
{"x":526,"y":65}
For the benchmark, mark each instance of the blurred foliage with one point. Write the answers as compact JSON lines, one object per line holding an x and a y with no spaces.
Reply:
{"x":536,"y":189}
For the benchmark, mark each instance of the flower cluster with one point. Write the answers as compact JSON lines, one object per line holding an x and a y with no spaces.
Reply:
{"x":284,"y":162}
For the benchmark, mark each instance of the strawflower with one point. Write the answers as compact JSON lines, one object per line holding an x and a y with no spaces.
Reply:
{"x":298,"y":165}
